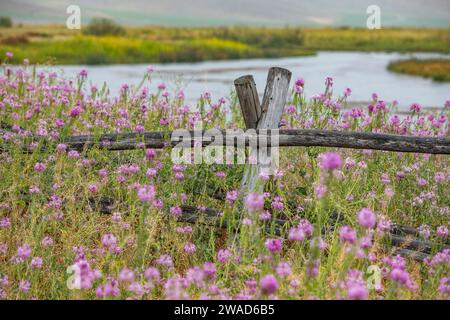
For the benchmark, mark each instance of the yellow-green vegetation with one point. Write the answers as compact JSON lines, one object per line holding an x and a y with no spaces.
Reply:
{"x":393,"y":39}
{"x":59,"y":45}
{"x":436,"y":69}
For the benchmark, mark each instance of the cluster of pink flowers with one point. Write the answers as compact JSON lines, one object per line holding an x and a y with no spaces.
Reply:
{"x":302,"y":231}
{"x":254,"y":202}
{"x":330,"y":161}
{"x":366,"y":218}
{"x":147,"y":193}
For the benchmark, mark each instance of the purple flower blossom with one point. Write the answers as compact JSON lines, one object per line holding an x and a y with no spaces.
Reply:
{"x":4,"y":281}
{"x":268,"y":284}
{"x":357,"y":291}
{"x":384,"y":224}
{"x":402,"y":277}
{"x":366,"y":218}
{"x":150,"y":154}
{"x":24,"y":285}
{"x":83,"y":73}
{"x":176,"y":211}
{"x":126,"y":275}
{"x":84,"y":275}
{"x":165,"y":260}
{"x":442,"y":232}
{"x":73,"y":154}
{"x":365,"y":242}
{"x":330,"y":161}
{"x":195,"y":276}
{"x":290,"y":109}
{"x":39,"y":166}
{"x":36,"y":262}
{"x":221,"y":174}
{"x":93,"y":188}
{"x":147,"y":193}
{"x":319,"y":243}
{"x":320,"y":190}
{"x":296,"y":234}
{"x":5,"y":222}
{"x":447,"y":104}
{"x":232,"y":196}
{"x":24,"y":251}
{"x":347,"y":92}
{"x":223,"y":255}
{"x":109,"y":240}
{"x":277,"y":203}
{"x":300,"y":82}
{"x":109,"y":289}
{"x":312,"y":267}
{"x":175,"y":289}
{"x":415,"y":107}
{"x":303,"y":230}
{"x":444,"y":286}
{"x":190,"y":248}
{"x":273,"y":245}
{"x":283,"y":269}
{"x":254,"y":202}
{"x":209,"y":269}
{"x":347,"y":234}
{"x":152,"y":274}
{"x":75,"y":111}
{"x":425,"y":231}
{"x":47,"y":241}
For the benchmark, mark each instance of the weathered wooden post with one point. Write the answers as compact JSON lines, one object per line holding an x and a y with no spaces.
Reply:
{"x":248,"y":100}
{"x":267,"y":116}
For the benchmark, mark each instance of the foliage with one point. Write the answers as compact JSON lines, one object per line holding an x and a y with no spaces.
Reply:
{"x":158,"y":44}
{"x":436,"y":69}
{"x":103,"y":27}
{"x":6,"y":22}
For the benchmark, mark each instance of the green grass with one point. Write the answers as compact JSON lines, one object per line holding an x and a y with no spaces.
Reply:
{"x":107,"y":50}
{"x":57,"y":45}
{"x":436,"y":69}
{"x":394,"y":39}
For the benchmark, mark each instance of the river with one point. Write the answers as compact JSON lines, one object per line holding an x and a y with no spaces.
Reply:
{"x":364,"y":73}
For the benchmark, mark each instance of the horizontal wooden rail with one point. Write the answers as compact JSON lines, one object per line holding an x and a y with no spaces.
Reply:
{"x":402,"y":238}
{"x":286,"y":138}
{"x":365,"y":140}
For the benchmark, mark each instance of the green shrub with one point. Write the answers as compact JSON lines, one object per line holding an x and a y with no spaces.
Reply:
{"x":103,"y":26}
{"x":5,"y":22}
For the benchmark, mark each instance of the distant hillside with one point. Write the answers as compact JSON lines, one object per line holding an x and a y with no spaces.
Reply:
{"x":411,"y":13}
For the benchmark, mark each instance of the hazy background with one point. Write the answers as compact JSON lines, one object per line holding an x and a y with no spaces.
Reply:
{"x":407,"y":60}
{"x":320,"y":13}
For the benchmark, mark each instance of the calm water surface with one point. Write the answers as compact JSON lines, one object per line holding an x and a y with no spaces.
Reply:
{"x":364,"y":73}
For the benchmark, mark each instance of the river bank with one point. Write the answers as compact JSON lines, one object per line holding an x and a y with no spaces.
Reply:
{"x":57,"y":45}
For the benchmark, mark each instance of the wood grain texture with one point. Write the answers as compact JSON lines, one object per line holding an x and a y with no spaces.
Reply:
{"x":274,"y":100}
{"x":406,"y":246}
{"x":408,"y":242}
{"x":248,"y":100}
{"x":286,"y":138}
{"x":411,"y":254}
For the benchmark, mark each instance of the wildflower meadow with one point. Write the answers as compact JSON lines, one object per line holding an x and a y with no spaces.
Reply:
{"x":101,"y":224}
